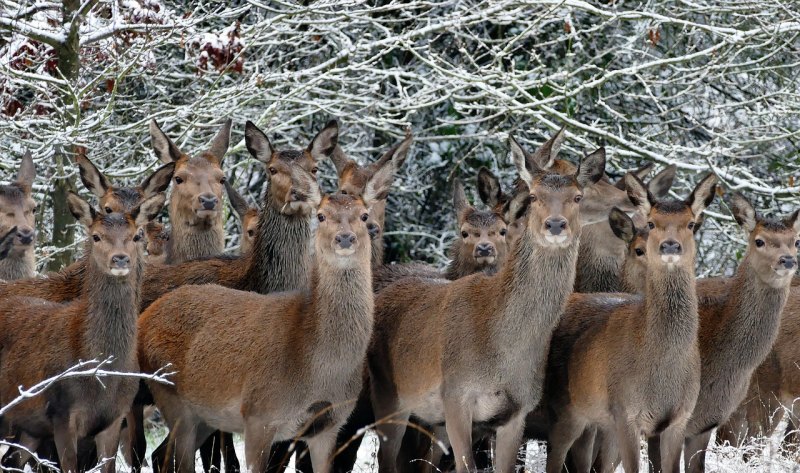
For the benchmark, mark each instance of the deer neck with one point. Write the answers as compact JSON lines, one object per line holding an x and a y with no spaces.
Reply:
{"x":112,"y":311}
{"x":280,"y":259}
{"x":599,"y":260}
{"x":343,"y":305}
{"x":18,"y":265}
{"x":188,"y":242}
{"x":671,"y":320}
{"x":377,"y":250}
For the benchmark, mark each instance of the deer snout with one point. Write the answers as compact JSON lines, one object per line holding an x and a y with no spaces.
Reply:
{"x":555,"y":225}
{"x":670,"y":247}
{"x":374,"y":230}
{"x":120,"y":265}
{"x":345,"y":242}
{"x":25,"y":235}
{"x":483,"y":250}
{"x":208,"y":201}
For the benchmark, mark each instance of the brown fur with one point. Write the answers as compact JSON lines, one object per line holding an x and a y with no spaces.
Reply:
{"x":626,"y":365}
{"x":7,"y":242}
{"x":17,"y":210}
{"x":248,"y":218}
{"x":310,"y":344}
{"x":469,"y":352}
{"x":157,"y":238}
{"x":195,"y":207}
{"x":41,"y":339}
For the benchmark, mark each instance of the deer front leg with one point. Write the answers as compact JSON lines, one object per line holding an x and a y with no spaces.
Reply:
{"x":258,"y":437}
{"x":508,"y":440}
{"x":66,"y":444}
{"x":321,"y":448}
{"x":458,"y":420}
{"x":695,"y":452}
{"x":107,"y":443}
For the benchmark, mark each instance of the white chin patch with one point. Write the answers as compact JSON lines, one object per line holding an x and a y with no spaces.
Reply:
{"x":120,"y":271}
{"x":345,"y":251}
{"x":484,"y":260}
{"x":783,"y":272}
{"x":555,"y":239}
{"x":296,"y":208}
{"x":670,"y":259}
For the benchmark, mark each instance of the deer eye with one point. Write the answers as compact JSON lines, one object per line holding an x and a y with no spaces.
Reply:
{"x":503,"y":232}
{"x":532,"y":198}
{"x":691,"y":225}
{"x":96,"y":238}
{"x":109,"y":210}
{"x":797,"y":244}
{"x":344,"y":192}
{"x":578,"y":198}
{"x":314,"y":171}
{"x":137,"y":237}
{"x":251,"y":232}
{"x":639,"y":251}
{"x":464,"y":234}
{"x":320,"y":217}
{"x":364,"y":217}
{"x":178,"y":180}
{"x":273,"y":171}
{"x":222,"y":180}
{"x":759,"y":242}
{"x":651,"y":225}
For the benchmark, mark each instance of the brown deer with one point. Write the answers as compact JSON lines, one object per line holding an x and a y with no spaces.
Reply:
{"x":309,"y":343}
{"x":195,"y":207}
{"x":353,"y":177}
{"x":470,"y":352}
{"x":248,"y":217}
{"x":631,"y":366}
{"x":65,"y":285}
{"x":41,"y":339}
{"x":157,"y":237}
{"x":17,"y":209}
{"x":601,"y":255}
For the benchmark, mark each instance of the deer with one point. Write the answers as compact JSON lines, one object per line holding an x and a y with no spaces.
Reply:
{"x":491,"y":382}
{"x":195,"y":206}
{"x":17,"y":210}
{"x":628,"y":365}
{"x":310,"y":392}
{"x":99,"y":324}
{"x":248,"y":217}
{"x":7,"y":242}
{"x":601,"y":255}
{"x":65,"y":285}
{"x":157,"y":237}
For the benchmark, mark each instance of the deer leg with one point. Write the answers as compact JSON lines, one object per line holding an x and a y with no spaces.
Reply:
{"x":66,"y":444}
{"x":229,"y":454}
{"x":562,"y":436}
{"x":136,"y":439}
{"x":507,"y":442}
{"x":210,"y":452}
{"x":654,"y":453}
{"x":349,"y":438}
{"x":695,"y":452}
{"x":435,"y":453}
{"x":628,"y":442}
{"x":107,"y":443}
{"x":258,"y":437}
{"x":582,"y":451}
{"x":320,"y":449}
{"x":458,"y":421}
{"x":608,"y":453}
{"x":15,"y":458}
{"x":672,"y":439}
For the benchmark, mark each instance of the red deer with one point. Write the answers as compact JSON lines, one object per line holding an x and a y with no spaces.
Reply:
{"x":248,"y":218}
{"x":353,"y":177}
{"x":157,"y":238}
{"x":309,"y":343}
{"x":420,"y":362}
{"x":626,"y":365}
{"x":41,"y":339}
{"x":65,"y":285}
{"x":195,"y":206}
{"x":601,"y":255}
{"x":17,"y":210}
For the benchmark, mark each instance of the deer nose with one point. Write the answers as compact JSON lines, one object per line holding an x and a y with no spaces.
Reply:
{"x":787,"y":261}
{"x":296,"y":196}
{"x":345,"y":240}
{"x":208,"y":201}
{"x":374,"y":230}
{"x":670,"y":247}
{"x":25,"y":235}
{"x":120,"y":261}
{"x":555,"y":225}
{"x":484,"y":249}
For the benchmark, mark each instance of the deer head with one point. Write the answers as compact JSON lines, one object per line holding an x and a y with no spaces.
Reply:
{"x":17,"y":207}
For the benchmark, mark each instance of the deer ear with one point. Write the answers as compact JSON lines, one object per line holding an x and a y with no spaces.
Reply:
{"x":219,"y":145}
{"x":621,"y":225}
{"x":377,"y":187}
{"x":27,"y":171}
{"x":149,"y":209}
{"x":641,"y":173}
{"x":743,"y":212}
{"x":7,"y":242}
{"x":591,"y":168}
{"x":92,"y":178}
{"x":660,"y":184}
{"x":518,"y":204}
{"x":325,"y":142}
{"x":794,"y":221}
{"x":164,"y":148}
{"x":545,"y":156}
{"x":460,"y":202}
{"x":397,"y":154}
{"x":638,"y":194}
{"x":489,"y":189}
{"x":340,"y":160}
{"x":80,"y":209}
{"x":526,"y":167}
{"x":703,"y":194}
{"x":238,"y":203}
{"x":158,"y":181}
{"x":257,"y":143}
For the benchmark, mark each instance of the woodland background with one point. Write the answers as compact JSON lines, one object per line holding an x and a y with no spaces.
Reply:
{"x":699,"y":83}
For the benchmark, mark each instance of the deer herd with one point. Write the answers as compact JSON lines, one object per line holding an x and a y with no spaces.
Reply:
{"x":569,"y":313}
